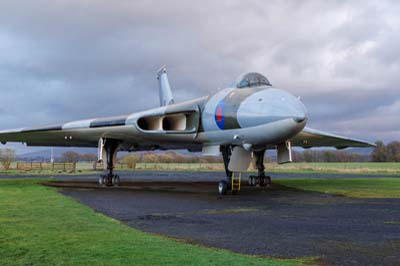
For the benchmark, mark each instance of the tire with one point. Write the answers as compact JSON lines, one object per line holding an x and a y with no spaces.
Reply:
{"x":254,"y":181}
{"x":115,"y":180}
{"x":250,"y":180}
{"x":268,"y":182}
{"x":263,"y":181}
{"x":105,"y":180}
{"x":222,"y":187}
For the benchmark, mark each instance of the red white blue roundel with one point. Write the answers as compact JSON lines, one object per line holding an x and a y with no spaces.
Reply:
{"x":219,"y":115}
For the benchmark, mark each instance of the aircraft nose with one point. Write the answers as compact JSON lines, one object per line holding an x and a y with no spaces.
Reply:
{"x":299,"y":112}
{"x":299,"y":119}
{"x":269,"y":106}
{"x":288,"y":106}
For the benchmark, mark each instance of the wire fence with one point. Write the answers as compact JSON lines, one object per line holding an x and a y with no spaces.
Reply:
{"x":94,"y":166}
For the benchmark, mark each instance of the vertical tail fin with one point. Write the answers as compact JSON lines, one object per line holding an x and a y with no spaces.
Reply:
{"x":164,"y":88}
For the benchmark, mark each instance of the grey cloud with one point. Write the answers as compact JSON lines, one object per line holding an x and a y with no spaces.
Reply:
{"x":65,"y":60}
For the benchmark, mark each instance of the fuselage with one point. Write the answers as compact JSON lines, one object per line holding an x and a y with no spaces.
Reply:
{"x":260,"y":116}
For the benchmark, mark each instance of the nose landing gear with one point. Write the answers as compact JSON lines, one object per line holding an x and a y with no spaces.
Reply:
{"x":233,"y":183}
{"x":222,"y":187}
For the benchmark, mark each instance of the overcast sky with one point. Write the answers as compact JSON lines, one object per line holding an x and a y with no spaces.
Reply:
{"x":73,"y":59}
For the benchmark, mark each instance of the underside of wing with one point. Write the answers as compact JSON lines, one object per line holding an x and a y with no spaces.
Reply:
{"x":315,"y":138}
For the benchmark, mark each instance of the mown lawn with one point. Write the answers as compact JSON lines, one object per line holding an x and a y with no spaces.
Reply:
{"x":349,"y":168}
{"x":345,"y":168}
{"x":351,"y":187}
{"x":39,"y":226}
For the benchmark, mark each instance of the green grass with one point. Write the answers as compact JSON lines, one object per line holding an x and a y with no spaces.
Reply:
{"x":351,"y":187}
{"x":39,"y":226}
{"x":344,"y":168}
{"x":350,"y":168}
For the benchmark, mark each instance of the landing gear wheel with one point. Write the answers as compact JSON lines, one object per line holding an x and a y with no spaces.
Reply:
{"x":108,"y":180}
{"x":254,"y":180}
{"x":250,"y":180}
{"x":222,"y":187}
{"x":104,"y":180}
{"x":268,"y":181}
{"x":115,"y":180}
{"x":263,"y":181}
{"x":101,"y":181}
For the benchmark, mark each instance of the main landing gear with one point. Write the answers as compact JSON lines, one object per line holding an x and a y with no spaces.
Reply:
{"x":110,"y":148}
{"x":260,"y":179}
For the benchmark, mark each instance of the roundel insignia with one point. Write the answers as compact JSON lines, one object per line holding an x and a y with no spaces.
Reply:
{"x":219,"y":115}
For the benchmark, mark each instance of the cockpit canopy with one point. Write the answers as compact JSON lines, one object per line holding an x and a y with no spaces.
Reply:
{"x":252,"y":79}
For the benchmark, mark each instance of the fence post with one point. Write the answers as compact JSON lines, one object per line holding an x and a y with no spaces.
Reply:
{"x":74,"y":167}
{"x":64,"y":167}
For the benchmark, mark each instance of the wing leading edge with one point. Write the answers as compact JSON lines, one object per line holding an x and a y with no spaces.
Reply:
{"x":315,"y":138}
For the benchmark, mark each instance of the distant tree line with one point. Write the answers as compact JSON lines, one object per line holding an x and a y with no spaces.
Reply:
{"x":386,"y":153}
{"x":381,"y":153}
{"x":168,"y":157}
{"x":74,"y":157}
{"x":329,"y":156}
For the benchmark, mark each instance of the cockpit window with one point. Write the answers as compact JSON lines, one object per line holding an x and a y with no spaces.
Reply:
{"x":252,"y":80}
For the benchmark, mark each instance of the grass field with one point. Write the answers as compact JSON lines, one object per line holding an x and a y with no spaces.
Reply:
{"x":351,"y":168}
{"x":348,"y":168}
{"x":352,"y":187}
{"x":39,"y":226}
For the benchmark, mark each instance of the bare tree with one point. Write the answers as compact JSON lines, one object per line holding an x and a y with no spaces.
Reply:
{"x":70,"y":157}
{"x":89,"y":157}
{"x":380,"y":153}
{"x":393,"y":151}
{"x":131,"y":160}
{"x":7,"y":156}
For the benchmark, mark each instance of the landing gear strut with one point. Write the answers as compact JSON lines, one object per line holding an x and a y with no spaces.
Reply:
{"x":261,"y":179}
{"x":110,"y":179}
{"x":225,"y":185}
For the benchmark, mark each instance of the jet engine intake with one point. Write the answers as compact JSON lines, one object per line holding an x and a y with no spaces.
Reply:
{"x":176,"y":122}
